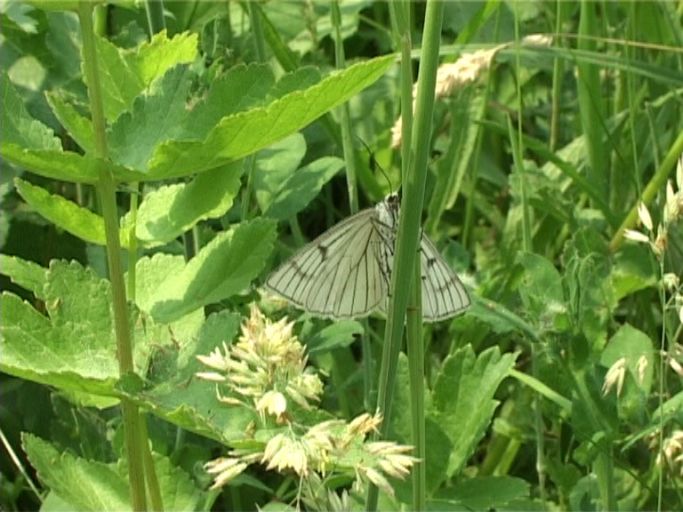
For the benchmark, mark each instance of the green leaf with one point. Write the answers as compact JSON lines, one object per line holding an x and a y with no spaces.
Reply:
{"x":64,"y":165}
{"x":26,"y":274}
{"x":91,"y":485}
{"x":337,"y":335}
{"x":64,"y":356}
{"x":125,"y":73}
{"x":637,"y":348}
{"x":169,"y":211}
{"x":65,"y":214}
{"x":463,"y":398}
{"x":239,"y":135}
{"x":18,"y":127}
{"x":222,"y":268}
{"x":79,"y":127}
{"x":157,"y":116}
{"x":151,"y":272}
{"x":541,"y":290}
{"x":301,"y":187}
{"x":83,"y":484}
{"x":191,"y":403}
{"x":240,"y":88}
{"x":274,"y":165}
{"x":482,"y":493}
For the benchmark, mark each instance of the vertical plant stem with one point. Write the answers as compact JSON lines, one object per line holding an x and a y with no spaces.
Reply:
{"x":414,"y":342}
{"x":527,"y":245}
{"x":260,"y":49}
{"x":155,"y":15}
{"x":107,"y":191}
{"x":408,"y":234}
{"x":345,"y":118}
{"x":558,"y":70}
{"x":590,"y":103}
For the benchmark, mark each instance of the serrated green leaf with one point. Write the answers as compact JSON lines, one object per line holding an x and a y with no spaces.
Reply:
{"x":83,"y":484}
{"x":541,"y":289}
{"x":125,"y":73}
{"x":191,"y":403}
{"x":78,"y":126}
{"x":32,"y":348}
{"x":274,"y":165}
{"x":221,"y":269}
{"x":18,"y":127}
{"x":156,"y":116}
{"x":244,"y":133}
{"x":119,"y":83}
{"x":154,"y":58}
{"x":169,"y":211}
{"x":302,"y":187}
{"x":178,"y":490}
{"x":64,"y":165}
{"x":151,"y":272}
{"x":65,"y":214}
{"x":24,"y":273}
{"x":463,"y":398}
{"x":240,"y":88}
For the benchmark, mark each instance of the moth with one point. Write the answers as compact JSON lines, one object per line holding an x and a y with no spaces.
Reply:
{"x":346,"y":271}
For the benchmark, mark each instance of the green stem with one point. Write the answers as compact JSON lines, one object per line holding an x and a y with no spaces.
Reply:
{"x":150,"y":470}
{"x":155,"y":16}
{"x":257,"y":30}
{"x":657,"y":182}
{"x":345,"y":118}
{"x":107,"y":191}
{"x":410,"y":216}
{"x":558,"y":71}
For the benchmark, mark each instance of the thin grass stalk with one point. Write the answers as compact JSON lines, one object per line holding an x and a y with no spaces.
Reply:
{"x":107,"y":191}
{"x":558,"y":71}
{"x":590,"y":104}
{"x":662,"y":373}
{"x":527,"y":238}
{"x":344,"y":117}
{"x":408,"y":234}
{"x":414,"y":342}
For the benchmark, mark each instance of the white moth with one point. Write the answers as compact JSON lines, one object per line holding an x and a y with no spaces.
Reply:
{"x":346,"y":271}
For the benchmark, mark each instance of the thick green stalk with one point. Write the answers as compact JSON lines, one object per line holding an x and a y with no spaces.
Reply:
{"x":408,"y":235}
{"x":414,"y":342}
{"x":345,"y":118}
{"x":656,"y":184}
{"x":155,"y":15}
{"x":107,"y":191}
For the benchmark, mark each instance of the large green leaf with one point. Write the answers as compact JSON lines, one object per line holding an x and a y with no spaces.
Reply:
{"x":171,"y":210}
{"x":91,"y":485}
{"x":26,"y":274}
{"x":124,"y":74}
{"x":83,"y":484}
{"x":18,"y":127}
{"x":157,"y":116}
{"x":463,"y":401}
{"x":79,"y":127}
{"x":482,"y":493}
{"x":241,"y":134}
{"x":222,"y":268}
{"x":301,"y":187}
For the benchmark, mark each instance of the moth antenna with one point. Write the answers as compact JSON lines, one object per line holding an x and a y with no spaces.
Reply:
{"x":373,"y":163}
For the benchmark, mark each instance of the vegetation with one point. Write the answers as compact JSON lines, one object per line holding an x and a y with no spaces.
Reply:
{"x":160,"y":159}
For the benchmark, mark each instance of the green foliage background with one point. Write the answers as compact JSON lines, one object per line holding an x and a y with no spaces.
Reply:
{"x":226,"y":144}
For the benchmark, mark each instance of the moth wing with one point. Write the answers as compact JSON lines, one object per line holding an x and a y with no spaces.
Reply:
{"x":336,"y":275}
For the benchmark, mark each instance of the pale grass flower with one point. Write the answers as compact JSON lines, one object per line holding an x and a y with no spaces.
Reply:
{"x":636,"y":236}
{"x":225,"y":469}
{"x":464,"y":71}
{"x":670,"y":281}
{"x":642,"y":367}
{"x":615,"y":376}
{"x":283,"y":452}
{"x":644,"y":216}
{"x":266,"y":365}
{"x":672,"y":451}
